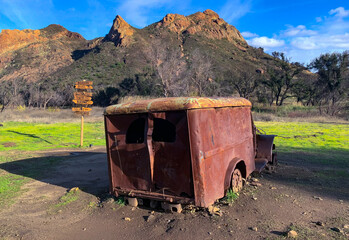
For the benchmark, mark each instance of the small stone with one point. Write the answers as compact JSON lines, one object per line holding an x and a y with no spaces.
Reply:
{"x":292,"y":234}
{"x":318,"y":198}
{"x":256,"y":184}
{"x":150,"y":218}
{"x":236,"y":219}
{"x":209,"y":233}
{"x":336,"y":229}
{"x":127,"y":219}
{"x":254,"y":229}
{"x":341,"y":201}
{"x":74,"y":189}
{"x":273,"y":188}
{"x":255,"y":180}
{"x":84,"y":229}
{"x":320,"y":223}
{"x":346,"y":226}
{"x":254,"y":198}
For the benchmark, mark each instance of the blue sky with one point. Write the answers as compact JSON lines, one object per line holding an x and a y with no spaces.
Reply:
{"x":302,"y":29}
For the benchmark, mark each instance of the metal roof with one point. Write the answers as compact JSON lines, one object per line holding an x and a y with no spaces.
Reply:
{"x":175,"y":103}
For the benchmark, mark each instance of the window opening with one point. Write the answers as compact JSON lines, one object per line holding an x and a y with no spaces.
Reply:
{"x":164,"y":131}
{"x":135,"y":132}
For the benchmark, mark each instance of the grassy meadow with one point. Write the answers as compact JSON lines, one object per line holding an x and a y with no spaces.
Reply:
{"x":325,"y":144}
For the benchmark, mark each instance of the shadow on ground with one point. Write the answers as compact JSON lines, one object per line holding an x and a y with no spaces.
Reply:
{"x":89,"y":172}
{"x":314,"y":172}
{"x":86,"y":170}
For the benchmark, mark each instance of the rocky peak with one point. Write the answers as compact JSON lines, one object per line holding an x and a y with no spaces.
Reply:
{"x":11,"y":40}
{"x":121,"y":32}
{"x":207,"y":23}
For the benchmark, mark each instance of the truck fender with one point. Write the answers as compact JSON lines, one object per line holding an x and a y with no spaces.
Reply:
{"x":265,"y":147}
{"x":235,"y":162}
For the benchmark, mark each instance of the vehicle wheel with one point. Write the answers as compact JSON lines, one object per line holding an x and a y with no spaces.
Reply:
{"x":236,"y":181}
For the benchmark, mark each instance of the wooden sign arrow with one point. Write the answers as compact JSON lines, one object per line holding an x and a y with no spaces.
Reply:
{"x":82,"y":94}
{"x":82,"y":98}
{"x":84,"y":83}
{"x":82,"y":102}
{"x":82,"y":109}
{"x":83,"y":87}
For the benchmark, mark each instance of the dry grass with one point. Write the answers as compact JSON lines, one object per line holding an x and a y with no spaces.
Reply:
{"x":49,"y":115}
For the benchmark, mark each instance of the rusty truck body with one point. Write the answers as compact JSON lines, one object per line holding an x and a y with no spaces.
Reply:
{"x":183,"y":150}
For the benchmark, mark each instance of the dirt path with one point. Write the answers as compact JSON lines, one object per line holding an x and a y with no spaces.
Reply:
{"x":291,"y":198}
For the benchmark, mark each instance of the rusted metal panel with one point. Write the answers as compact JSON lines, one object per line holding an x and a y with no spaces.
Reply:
{"x":175,"y":104}
{"x":265,"y":146}
{"x":219,"y":138}
{"x":172,"y":167}
{"x":130,"y":165}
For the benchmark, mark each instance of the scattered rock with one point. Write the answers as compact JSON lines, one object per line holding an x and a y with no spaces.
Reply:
{"x":319,"y":223}
{"x":110,"y":200}
{"x":84,"y":229}
{"x":256,"y":184}
{"x":318,"y":198}
{"x":273,"y":188}
{"x":292,"y":234}
{"x":341,"y":201}
{"x":254,"y":229}
{"x":74,"y":189}
{"x":335,"y":229}
{"x":150,"y":218}
{"x":254,"y":198}
{"x":127,"y":219}
{"x":214,"y":210}
{"x":255,"y":180}
{"x":209,"y":233}
{"x":346,"y":226}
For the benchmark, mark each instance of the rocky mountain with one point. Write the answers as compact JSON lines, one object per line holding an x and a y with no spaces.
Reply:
{"x":36,"y":54}
{"x":179,"y":55}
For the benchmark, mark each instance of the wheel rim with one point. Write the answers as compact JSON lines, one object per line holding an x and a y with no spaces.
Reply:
{"x":236,"y":181}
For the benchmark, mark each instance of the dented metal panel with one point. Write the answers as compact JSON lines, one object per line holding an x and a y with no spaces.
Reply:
{"x":219,"y":139}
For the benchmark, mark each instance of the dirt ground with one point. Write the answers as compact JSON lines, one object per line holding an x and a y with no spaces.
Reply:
{"x":293,"y":197}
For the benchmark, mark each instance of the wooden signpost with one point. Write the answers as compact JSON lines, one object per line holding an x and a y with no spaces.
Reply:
{"x":82,"y":98}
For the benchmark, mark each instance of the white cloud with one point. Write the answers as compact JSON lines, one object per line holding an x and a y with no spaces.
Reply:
{"x":339,"y":12}
{"x":322,"y":42}
{"x":235,"y":9}
{"x":249,"y":34}
{"x":318,"y":19}
{"x":300,"y":30}
{"x":266,"y":42}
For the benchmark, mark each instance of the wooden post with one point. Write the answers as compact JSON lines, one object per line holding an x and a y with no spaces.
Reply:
{"x":82,"y":131}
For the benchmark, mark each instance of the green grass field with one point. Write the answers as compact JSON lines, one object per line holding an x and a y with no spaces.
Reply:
{"x":322,"y":143}
{"x":37,"y":136}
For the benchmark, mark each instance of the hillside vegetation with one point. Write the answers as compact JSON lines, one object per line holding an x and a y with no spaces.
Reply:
{"x":195,"y":55}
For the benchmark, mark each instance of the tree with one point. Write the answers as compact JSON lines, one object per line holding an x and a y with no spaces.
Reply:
{"x":6,"y":90}
{"x":333,"y":78}
{"x":171,"y":66}
{"x":201,"y":74}
{"x":281,"y":79}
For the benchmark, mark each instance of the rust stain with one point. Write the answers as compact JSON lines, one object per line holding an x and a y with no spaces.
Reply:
{"x":176,"y":103}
